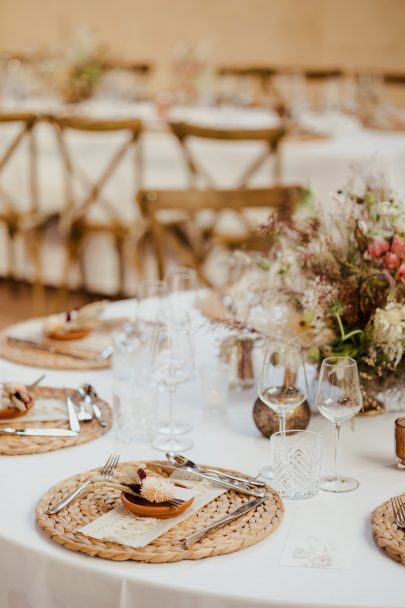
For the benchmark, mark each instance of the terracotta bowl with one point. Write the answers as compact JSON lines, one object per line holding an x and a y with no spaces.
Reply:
{"x":142,"y":508}
{"x":79,"y":334}
{"x":13,"y":412}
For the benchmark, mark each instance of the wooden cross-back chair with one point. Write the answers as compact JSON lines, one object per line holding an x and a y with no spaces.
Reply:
{"x":271,"y":138}
{"x":75,"y":222}
{"x":15,"y":216}
{"x":193,"y":243}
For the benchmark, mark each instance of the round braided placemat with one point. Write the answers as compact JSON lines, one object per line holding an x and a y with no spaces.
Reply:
{"x":12,"y":445}
{"x":386,"y":533}
{"x":34,"y":357}
{"x":247,"y":530}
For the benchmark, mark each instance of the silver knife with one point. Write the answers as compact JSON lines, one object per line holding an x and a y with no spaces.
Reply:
{"x":38,"y":432}
{"x":196,"y":536}
{"x":73,"y":419}
{"x":54,"y":350}
{"x":238,"y":487}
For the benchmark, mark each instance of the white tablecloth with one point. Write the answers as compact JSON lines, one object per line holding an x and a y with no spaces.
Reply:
{"x":37,"y":573}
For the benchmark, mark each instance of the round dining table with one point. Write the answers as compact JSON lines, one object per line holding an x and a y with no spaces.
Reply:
{"x":35,"y":572}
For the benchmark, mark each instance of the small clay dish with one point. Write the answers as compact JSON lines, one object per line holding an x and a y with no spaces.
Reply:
{"x":79,"y":334}
{"x":13,"y":412}
{"x":143,"y":508}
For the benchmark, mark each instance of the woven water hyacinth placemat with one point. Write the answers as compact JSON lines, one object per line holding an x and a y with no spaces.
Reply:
{"x":247,"y":530}
{"x":25,"y":354}
{"x":386,"y":533}
{"x":11,"y":445}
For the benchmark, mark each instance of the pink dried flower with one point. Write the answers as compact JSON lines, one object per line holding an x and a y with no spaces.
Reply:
{"x":377,"y":248}
{"x":401,"y":272}
{"x":391,"y":260}
{"x":398,"y":246}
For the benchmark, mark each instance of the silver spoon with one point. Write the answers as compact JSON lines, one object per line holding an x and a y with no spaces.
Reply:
{"x":182,"y":461}
{"x":83,"y":414}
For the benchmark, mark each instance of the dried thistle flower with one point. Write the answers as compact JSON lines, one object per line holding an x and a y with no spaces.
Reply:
{"x":157,"y":489}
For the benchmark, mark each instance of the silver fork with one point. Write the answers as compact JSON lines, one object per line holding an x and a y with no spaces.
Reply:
{"x":106,"y":473}
{"x":398,"y":509}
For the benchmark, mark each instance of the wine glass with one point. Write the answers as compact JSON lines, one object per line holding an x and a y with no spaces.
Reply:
{"x":172,"y":364}
{"x":283,"y":383}
{"x":338,"y":398}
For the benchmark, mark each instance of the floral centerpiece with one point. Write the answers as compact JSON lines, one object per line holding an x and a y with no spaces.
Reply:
{"x":76,"y":70}
{"x":343,"y":275}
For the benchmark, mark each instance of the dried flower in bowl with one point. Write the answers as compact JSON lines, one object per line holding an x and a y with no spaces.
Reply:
{"x":15,"y":400}
{"x":147,"y":495}
{"x":74,"y":324}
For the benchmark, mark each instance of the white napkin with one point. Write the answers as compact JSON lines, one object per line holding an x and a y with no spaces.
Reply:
{"x":44,"y":410}
{"x":123,"y":527}
{"x":319,"y":537}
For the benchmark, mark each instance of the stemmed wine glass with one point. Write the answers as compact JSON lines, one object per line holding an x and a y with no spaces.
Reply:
{"x":172,"y":364}
{"x":338,"y":398}
{"x":283,"y":382}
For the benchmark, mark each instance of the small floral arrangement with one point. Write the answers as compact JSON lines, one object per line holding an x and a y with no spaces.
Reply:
{"x":76,"y":70}
{"x":154,"y":490}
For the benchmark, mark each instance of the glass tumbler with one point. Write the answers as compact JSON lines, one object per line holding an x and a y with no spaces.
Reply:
{"x":295,"y":458}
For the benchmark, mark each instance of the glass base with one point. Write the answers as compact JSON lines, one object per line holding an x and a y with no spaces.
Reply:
{"x":179,"y":428}
{"x":331,"y":483}
{"x":266,"y":472}
{"x":172,"y":444}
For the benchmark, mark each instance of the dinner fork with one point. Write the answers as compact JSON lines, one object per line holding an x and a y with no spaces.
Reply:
{"x":106,"y":473}
{"x":398,"y":509}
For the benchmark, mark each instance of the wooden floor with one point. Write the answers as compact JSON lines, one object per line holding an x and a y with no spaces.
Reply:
{"x":16,"y":303}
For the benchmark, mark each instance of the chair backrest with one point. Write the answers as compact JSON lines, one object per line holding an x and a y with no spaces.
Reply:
{"x":77,"y":207}
{"x":191,"y":203}
{"x":271,"y":139}
{"x":23,"y":132}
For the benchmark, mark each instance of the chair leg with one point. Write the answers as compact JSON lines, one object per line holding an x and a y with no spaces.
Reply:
{"x":72,"y":251}
{"x":38,"y":288}
{"x":120,"y":246}
{"x":11,"y":258}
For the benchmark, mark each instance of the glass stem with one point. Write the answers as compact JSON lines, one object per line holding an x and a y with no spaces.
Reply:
{"x":281,"y":423}
{"x":171,"y":412}
{"x":337,"y":450}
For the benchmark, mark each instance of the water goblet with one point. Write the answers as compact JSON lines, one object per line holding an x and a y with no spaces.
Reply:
{"x":338,"y":398}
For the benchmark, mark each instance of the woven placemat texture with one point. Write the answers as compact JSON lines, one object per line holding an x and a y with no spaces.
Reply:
{"x":386,"y":533}
{"x":247,"y":530}
{"x":11,"y":445}
{"x":34,"y":357}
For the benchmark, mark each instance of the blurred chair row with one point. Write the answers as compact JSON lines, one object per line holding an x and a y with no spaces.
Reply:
{"x":183,"y":222}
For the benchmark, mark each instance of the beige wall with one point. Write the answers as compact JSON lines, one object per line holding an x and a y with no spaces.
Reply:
{"x":351,"y":33}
